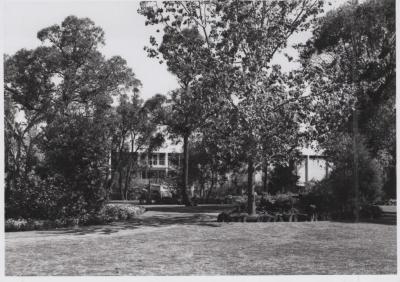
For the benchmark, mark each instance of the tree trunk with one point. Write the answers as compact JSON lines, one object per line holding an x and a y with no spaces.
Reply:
{"x":238,"y":186}
{"x":185,"y":175}
{"x":117,"y":168}
{"x":355,"y":166}
{"x":251,"y":201}
{"x":148,"y":200}
{"x":211,"y":186}
{"x":265,"y":178}
{"x":149,"y":193}
{"x":120,"y":184}
{"x":127,"y":179}
{"x":114,"y":173}
{"x":202,"y":187}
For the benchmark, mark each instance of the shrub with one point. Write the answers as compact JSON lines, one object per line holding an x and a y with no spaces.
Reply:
{"x":76,"y":159}
{"x":109,"y":213}
{"x":113,"y":212}
{"x":336,"y":195}
{"x":33,"y":198}
{"x":282,"y":179}
{"x":31,"y":224}
{"x":16,"y":224}
{"x":370,"y":212}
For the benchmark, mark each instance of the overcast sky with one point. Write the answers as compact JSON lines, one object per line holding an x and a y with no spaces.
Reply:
{"x":125,"y":34}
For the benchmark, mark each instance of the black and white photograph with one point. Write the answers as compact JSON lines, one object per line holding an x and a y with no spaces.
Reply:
{"x":199,"y":139}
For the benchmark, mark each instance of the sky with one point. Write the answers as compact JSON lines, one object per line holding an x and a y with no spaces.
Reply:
{"x":125,"y":34}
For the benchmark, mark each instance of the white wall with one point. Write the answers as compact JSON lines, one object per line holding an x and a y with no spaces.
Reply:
{"x":316,"y":169}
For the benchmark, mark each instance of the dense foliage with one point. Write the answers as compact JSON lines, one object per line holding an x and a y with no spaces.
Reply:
{"x":134,"y":136}
{"x":57,"y":148}
{"x":350,"y":64}
{"x":253,"y":110}
{"x":235,"y":110}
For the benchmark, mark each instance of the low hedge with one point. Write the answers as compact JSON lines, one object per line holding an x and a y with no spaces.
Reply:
{"x":31,"y":224}
{"x":109,"y":213}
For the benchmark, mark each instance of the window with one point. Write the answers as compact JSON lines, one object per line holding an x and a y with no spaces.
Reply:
{"x":161,"y":159}
{"x":153,"y":160}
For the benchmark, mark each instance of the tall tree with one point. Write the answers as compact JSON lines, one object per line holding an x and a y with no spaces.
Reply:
{"x":182,"y":116}
{"x":268,"y":106}
{"x":350,"y":64}
{"x":64,"y":88}
{"x":185,"y":50}
{"x":239,"y":41}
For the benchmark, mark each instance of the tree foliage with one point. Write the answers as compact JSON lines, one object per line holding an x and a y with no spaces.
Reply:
{"x":254,"y":105}
{"x":338,"y":186}
{"x":63,"y":91}
{"x":350,"y":65}
{"x":135,"y":133}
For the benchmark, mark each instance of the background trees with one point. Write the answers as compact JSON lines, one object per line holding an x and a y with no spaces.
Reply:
{"x":247,"y":98}
{"x":241,"y":108}
{"x":63,"y":90}
{"x":268,"y":106}
{"x":134,"y":132}
{"x":185,"y":49}
{"x":350,"y":64}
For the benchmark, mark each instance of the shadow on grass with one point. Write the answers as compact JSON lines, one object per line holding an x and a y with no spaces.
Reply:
{"x":192,"y":216}
{"x":373,"y":221}
{"x":163,"y":216}
{"x":197,"y":209}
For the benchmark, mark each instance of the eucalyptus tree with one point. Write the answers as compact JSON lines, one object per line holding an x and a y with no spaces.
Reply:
{"x":64,"y":89}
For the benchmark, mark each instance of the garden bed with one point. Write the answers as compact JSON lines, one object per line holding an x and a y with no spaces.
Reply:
{"x":109,"y":213}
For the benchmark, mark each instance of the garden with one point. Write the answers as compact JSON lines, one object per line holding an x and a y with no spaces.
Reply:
{"x":249,"y":98}
{"x":178,"y":240}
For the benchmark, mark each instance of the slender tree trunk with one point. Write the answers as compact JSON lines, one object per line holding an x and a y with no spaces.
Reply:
{"x":251,"y":201}
{"x":113,"y":176}
{"x":239,"y":187}
{"x":117,"y":168}
{"x":127,"y":179}
{"x":149,"y":193}
{"x":185,"y":174}
{"x":106,"y":186}
{"x":355,"y":166}
{"x":148,"y":200}
{"x":202,"y":188}
{"x":355,"y":123}
{"x":265,"y":179}
{"x":121,"y":191}
{"x":211,"y":186}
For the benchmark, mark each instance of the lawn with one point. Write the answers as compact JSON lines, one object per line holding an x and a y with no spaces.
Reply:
{"x":190,"y":243}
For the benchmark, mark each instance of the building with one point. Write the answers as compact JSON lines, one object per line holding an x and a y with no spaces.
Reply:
{"x":162,"y":167}
{"x":313,"y":167}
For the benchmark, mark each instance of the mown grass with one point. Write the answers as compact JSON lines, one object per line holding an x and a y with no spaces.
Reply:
{"x":184,"y":245}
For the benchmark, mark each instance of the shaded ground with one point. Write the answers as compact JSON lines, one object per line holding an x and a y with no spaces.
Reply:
{"x":175,"y":240}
